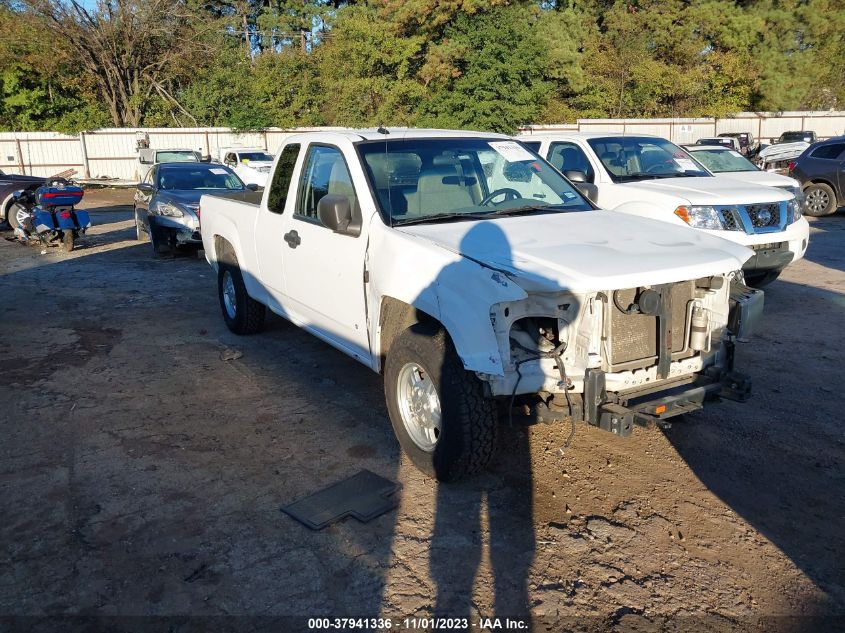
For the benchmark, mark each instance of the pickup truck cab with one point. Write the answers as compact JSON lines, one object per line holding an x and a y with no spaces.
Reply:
{"x":651,"y":177}
{"x":471,"y":274}
{"x":252,"y":165}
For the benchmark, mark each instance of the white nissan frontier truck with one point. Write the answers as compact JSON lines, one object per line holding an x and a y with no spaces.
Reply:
{"x":471,"y":274}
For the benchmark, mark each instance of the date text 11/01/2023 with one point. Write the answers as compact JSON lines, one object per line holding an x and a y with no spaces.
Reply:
{"x":418,"y":624}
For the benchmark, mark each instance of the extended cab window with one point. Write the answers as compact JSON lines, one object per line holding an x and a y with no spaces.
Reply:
{"x":325,"y":173}
{"x":570,"y":157}
{"x":280,"y":185}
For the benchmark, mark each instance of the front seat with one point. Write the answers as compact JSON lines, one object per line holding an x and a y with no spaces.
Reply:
{"x":440,"y":189}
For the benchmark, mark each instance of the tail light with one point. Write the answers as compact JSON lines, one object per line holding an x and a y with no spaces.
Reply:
{"x":791,"y":166}
{"x":65,"y":214}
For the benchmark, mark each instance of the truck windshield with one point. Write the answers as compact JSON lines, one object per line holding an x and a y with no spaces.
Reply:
{"x":720,"y":161}
{"x":190,"y":179}
{"x":259,"y":156}
{"x":632,"y":158}
{"x":434,"y":180}
{"x":177,"y":157}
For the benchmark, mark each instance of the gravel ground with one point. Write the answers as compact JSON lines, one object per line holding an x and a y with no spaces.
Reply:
{"x":142,"y":475}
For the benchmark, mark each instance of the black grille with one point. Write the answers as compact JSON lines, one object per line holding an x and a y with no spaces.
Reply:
{"x":634,"y":336}
{"x":764,"y":215}
{"x":730,"y":221}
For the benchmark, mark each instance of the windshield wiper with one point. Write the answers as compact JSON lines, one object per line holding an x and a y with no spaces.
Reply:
{"x":447,"y":217}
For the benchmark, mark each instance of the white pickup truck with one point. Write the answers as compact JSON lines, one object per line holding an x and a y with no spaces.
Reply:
{"x":651,"y":177}
{"x":465,"y":269}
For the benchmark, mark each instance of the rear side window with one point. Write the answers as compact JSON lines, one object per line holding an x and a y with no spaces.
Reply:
{"x":570,"y":157}
{"x":280,"y":184}
{"x":829,"y":151}
{"x":534,"y":146}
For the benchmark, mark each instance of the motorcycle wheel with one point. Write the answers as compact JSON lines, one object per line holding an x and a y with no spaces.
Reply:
{"x":67,"y":241}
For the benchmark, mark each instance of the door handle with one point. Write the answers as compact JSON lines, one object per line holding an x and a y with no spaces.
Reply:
{"x":292,"y":238}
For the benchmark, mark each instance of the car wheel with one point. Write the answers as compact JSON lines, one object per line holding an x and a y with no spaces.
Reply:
{"x":760,"y":278}
{"x":17,"y":216}
{"x":819,"y":199}
{"x":438,"y":410}
{"x":242,"y":313}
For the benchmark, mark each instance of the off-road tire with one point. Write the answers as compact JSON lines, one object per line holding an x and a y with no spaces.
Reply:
{"x":249,"y":313}
{"x":820,"y":189}
{"x":761,"y":278}
{"x":467,"y":438}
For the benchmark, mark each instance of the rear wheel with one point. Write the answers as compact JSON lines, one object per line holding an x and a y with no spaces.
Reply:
{"x":242,"y":313}
{"x":820,"y":199}
{"x":758,"y":279}
{"x":68,"y":240}
{"x":438,"y":410}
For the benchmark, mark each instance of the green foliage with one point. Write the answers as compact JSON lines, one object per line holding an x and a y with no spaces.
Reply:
{"x":486,"y":64}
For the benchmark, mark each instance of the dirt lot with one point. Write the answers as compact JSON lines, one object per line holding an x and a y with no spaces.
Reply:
{"x":143,"y":475}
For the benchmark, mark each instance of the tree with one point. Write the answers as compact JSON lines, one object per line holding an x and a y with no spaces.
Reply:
{"x":131,"y":50}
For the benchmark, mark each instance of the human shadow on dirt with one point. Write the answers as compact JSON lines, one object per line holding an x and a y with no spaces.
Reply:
{"x":778,"y":460}
{"x":502,"y":494}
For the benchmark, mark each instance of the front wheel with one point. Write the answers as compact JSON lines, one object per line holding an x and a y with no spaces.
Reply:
{"x":242,"y":313}
{"x":438,"y":410}
{"x":819,"y":200}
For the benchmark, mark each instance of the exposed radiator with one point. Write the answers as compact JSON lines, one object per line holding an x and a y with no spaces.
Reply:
{"x":633,"y":338}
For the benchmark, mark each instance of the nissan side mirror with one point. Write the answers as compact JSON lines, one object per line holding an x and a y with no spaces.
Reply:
{"x":335,"y":213}
{"x":575,"y":175}
{"x":253,"y":187}
{"x":589,"y":191}
{"x":145,"y":187}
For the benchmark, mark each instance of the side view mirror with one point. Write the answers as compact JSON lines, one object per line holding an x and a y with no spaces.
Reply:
{"x":145,"y":187}
{"x":575,"y":175}
{"x":335,"y":213}
{"x":589,"y":191}
{"x":253,"y":187}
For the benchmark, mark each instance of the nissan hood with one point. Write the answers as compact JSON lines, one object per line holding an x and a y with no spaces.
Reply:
{"x":586,"y":251}
{"x":706,"y":190}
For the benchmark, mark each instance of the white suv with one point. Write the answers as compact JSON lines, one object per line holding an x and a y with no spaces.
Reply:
{"x":652,"y":177}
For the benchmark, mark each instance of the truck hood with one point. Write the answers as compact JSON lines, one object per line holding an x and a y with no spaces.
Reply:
{"x":706,"y":190}
{"x":255,"y":164}
{"x":765,"y":178}
{"x":586,"y":251}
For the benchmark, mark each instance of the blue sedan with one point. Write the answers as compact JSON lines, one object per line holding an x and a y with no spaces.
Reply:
{"x":166,"y":205}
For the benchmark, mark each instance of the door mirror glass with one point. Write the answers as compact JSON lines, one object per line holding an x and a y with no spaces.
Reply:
{"x":253,"y":187}
{"x":145,"y":187}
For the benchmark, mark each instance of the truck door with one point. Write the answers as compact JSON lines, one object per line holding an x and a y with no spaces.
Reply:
{"x":270,"y":224}
{"x":324,"y":271}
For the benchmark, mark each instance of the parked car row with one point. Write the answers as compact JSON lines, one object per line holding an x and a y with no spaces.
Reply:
{"x":477,"y":272}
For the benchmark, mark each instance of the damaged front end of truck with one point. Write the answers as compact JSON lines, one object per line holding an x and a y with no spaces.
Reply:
{"x":616,"y":357}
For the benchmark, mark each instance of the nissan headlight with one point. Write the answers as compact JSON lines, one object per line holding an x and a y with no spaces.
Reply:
{"x":795,"y":191}
{"x":794,"y":210}
{"x":171,"y":211}
{"x":700,"y":217}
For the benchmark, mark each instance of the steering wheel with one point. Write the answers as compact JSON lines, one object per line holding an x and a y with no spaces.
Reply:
{"x":510,"y":194}
{"x":656,"y":165}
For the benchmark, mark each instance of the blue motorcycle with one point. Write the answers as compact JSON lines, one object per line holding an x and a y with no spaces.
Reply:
{"x":47,"y":212}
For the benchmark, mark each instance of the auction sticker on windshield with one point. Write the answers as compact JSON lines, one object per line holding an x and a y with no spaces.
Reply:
{"x":686,"y":164}
{"x":512,"y":151}
{"x":218,"y":171}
